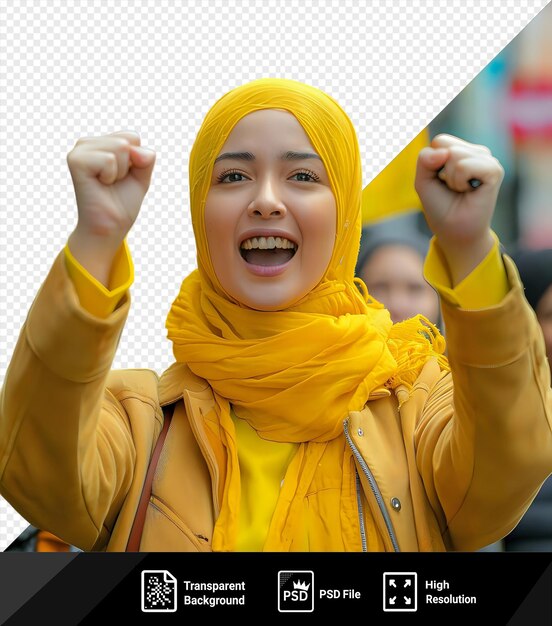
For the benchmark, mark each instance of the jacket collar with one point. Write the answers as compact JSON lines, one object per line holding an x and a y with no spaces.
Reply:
{"x":175,"y":380}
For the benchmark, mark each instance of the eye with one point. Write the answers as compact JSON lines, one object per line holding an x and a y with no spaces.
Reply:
{"x":306,"y":176}
{"x":378,"y":290}
{"x":415,"y":288}
{"x":232,"y":176}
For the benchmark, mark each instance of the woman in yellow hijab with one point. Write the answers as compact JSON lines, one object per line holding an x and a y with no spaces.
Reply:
{"x":303,"y":418}
{"x":294,"y":350}
{"x":275,"y":335}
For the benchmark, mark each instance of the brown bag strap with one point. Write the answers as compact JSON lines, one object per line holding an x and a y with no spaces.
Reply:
{"x":135,"y":537}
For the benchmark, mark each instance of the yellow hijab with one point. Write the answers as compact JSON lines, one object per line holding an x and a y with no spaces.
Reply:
{"x":294,"y":374}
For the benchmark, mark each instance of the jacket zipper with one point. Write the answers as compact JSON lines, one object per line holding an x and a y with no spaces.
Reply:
{"x":360,"y":512}
{"x":375,"y":491}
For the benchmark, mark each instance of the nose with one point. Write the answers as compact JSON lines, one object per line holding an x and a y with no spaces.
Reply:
{"x":399,"y":306}
{"x":267,"y":203}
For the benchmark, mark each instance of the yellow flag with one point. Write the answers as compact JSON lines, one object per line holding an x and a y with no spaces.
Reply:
{"x":392,"y":191}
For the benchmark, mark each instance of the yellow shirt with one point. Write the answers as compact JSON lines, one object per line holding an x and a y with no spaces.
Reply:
{"x":263,"y":463}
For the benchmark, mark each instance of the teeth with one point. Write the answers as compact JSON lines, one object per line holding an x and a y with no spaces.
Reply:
{"x":267,"y":243}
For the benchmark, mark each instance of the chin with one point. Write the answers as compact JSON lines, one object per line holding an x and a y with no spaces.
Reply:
{"x":268,"y":306}
{"x":272,"y":301}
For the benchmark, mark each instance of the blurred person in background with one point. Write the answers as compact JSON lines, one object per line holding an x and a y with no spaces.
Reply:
{"x":534,"y":532}
{"x":391,"y":262}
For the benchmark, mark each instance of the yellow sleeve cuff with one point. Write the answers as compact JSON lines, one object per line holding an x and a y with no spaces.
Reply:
{"x":95,"y":297}
{"x":485,"y":286}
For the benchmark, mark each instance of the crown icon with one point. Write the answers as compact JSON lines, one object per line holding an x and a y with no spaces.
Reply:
{"x":301,"y":585}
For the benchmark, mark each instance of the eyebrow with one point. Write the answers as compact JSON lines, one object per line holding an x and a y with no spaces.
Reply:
{"x":290,"y":155}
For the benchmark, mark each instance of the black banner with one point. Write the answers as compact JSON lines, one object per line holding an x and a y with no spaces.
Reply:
{"x":90,"y":588}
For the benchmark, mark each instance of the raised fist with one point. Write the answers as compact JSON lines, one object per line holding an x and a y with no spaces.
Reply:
{"x":111,"y":175}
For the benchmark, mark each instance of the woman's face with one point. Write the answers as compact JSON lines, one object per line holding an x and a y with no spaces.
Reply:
{"x":270,"y":213}
{"x":544,"y":315}
{"x":394,"y":276}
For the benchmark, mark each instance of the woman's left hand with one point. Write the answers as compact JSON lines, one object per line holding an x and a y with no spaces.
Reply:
{"x":458,"y":214}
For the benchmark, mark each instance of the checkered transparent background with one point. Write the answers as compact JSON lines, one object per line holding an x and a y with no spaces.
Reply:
{"x":72,"y":69}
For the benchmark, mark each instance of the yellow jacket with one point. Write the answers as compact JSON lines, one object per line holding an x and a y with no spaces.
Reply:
{"x":435,"y":472}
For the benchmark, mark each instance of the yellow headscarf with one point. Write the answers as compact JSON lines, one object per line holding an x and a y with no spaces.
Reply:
{"x":295,"y":374}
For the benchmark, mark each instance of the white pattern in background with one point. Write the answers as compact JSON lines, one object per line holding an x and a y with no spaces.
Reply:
{"x":74,"y":68}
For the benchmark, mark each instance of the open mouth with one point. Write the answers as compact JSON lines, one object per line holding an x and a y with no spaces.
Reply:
{"x":268,"y":251}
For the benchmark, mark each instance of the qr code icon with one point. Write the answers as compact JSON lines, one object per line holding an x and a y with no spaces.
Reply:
{"x":158,"y":591}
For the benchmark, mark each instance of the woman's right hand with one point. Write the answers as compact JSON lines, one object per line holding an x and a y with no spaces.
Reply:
{"x":111,"y":175}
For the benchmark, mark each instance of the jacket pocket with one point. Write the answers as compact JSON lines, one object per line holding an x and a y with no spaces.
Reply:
{"x":164,"y":531}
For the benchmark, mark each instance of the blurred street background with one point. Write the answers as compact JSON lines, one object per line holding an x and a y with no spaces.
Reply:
{"x":507,"y":107}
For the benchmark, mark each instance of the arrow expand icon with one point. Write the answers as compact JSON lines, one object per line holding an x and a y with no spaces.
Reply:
{"x":400,"y":591}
